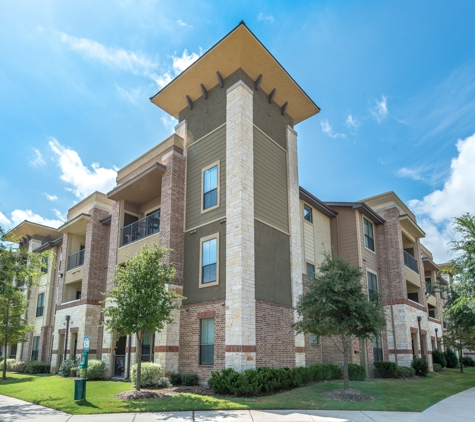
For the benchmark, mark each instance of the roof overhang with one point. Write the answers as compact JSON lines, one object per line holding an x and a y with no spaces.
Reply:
{"x":239,"y":49}
{"x":411,"y":227}
{"x":48,"y":245}
{"x":142,"y":187}
{"x":77,"y":225}
{"x":362,"y":208}
{"x":429,"y":264}
{"x":28,"y":228}
{"x":316,"y":203}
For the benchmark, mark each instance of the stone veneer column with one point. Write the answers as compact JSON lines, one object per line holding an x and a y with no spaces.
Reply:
{"x":240,"y":275}
{"x":295,"y":237}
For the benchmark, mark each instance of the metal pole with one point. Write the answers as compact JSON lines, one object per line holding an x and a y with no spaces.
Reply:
{"x":68,"y":317}
{"x":419,"y":318}
{"x":128,"y":357}
{"x":436,"y":340}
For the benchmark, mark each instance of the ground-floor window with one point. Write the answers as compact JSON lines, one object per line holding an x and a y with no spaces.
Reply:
{"x":207,"y":341}
{"x":147,"y":351}
{"x":378,"y":349}
{"x":313,"y":339}
{"x":35,"y":348}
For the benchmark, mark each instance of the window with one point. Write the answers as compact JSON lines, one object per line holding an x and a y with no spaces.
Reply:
{"x":310,"y":271}
{"x":40,"y":304}
{"x":36,"y":348}
{"x":210,"y":187}
{"x":372,"y":284}
{"x":209,"y":258}
{"x":313,"y":339}
{"x":207,"y":341}
{"x":78,"y":295}
{"x":44,"y":265}
{"x":307,"y":213}
{"x":368,"y":234}
{"x":377,"y":349}
{"x":147,"y":355}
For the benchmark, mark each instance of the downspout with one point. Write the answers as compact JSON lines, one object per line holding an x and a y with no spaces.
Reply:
{"x":68,"y":317}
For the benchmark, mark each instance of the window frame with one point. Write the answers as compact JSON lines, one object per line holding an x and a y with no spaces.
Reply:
{"x":375,"y":274}
{"x":218,"y":190}
{"x":314,"y":339}
{"x":203,"y":240}
{"x":306,"y":269}
{"x":200,"y":362}
{"x":378,"y":341}
{"x":35,"y":352}
{"x":365,"y":236}
{"x":310,"y":213}
{"x":38,"y":307}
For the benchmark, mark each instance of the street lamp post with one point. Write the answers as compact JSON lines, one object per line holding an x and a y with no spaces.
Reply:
{"x":419,"y":319}
{"x":436,"y":340}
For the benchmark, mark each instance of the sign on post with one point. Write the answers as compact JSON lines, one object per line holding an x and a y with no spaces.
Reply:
{"x":86,"y":344}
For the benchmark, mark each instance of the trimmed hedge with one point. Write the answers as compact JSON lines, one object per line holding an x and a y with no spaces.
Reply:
{"x":421,"y":367}
{"x":189,"y":379}
{"x":437,"y":367}
{"x":175,"y":379}
{"x":263,"y":379}
{"x":356,"y":372}
{"x":10,"y":362}
{"x":385,"y":369}
{"x":439,"y":358}
{"x":149,"y":375}
{"x":31,"y":367}
{"x":405,"y":372}
{"x":163,"y":382}
{"x":451,"y":358}
{"x":68,"y":368}
{"x":95,"y":370}
{"x":468,"y":361}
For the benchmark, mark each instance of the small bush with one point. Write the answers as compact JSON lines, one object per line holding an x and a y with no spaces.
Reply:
{"x":451,"y":358}
{"x":468,"y":361}
{"x":150,"y":374}
{"x":163,"y":382}
{"x":10,"y":362}
{"x":437,"y":367}
{"x":176,"y":379}
{"x":68,"y":368}
{"x":405,"y":372}
{"x":439,"y":358}
{"x":189,"y":379}
{"x":95,"y":370}
{"x":420,"y":366}
{"x":385,"y":369}
{"x":31,"y":367}
{"x":356,"y":372}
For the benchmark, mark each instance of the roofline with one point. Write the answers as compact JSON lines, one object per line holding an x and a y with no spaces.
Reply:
{"x":366,"y":210}
{"x":31,"y":222}
{"x":75,"y":218}
{"x":49,"y":244}
{"x":222,"y":39}
{"x":316,"y":203}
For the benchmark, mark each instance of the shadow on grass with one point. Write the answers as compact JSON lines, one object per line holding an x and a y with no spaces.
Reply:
{"x":16,"y":380}
{"x":85,"y":403}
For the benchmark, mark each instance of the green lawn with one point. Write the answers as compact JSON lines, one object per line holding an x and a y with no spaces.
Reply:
{"x":402,"y":395}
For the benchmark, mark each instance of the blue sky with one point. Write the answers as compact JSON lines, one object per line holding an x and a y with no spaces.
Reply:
{"x":395,"y":82}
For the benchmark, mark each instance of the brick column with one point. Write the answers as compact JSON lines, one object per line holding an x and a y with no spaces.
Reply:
{"x":240,"y":256}
{"x":295,"y":237}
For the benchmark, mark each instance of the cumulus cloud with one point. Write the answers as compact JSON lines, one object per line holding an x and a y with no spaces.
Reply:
{"x":82,"y":180}
{"x":38,"y":160}
{"x":327,"y":129}
{"x":457,"y":196}
{"x":380,"y":109}
{"x":351,"y":122}
{"x":179,"y":64}
{"x":51,"y":197}
{"x":263,"y":18}
{"x":18,"y":216}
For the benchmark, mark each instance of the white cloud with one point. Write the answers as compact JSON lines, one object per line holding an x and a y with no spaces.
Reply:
{"x":18,"y":216}
{"x":327,"y":128}
{"x":131,"y":95}
{"x":179,"y":64}
{"x":380,"y":110}
{"x":59,"y":215}
{"x":83,"y":181}
{"x":181,"y":23}
{"x":169,"y":122}
{"x":457,"y":196}
{"x":4,"y":221}
{"x":38,"y":160}
{"x":414,"y":174}
{"x":51,"y":197}
{"x":351,"y":122}
{"x":264,"y":18}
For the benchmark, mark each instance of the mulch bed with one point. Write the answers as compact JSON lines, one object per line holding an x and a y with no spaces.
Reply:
{"x":165,"y":392}
{"x":348,"y":395}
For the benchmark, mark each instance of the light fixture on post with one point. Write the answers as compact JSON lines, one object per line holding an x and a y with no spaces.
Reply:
{"x":67,"y":318}
{"x":436,"y":340}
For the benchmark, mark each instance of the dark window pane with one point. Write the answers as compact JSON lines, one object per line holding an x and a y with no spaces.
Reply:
{"x":207,"y":341}
{"x":307,"y":213}
{"x":210,"y":199}
{"x":207,"y":354}
{"x":209,"y":274}
{"x":310,"y":271}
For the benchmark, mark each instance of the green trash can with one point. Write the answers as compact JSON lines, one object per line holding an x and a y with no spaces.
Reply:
{"x":79,"y":388}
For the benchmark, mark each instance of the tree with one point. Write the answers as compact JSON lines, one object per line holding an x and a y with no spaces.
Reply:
{"x":336,"y":306}
{"x":141,"y":301}
{"x":19,"y":269}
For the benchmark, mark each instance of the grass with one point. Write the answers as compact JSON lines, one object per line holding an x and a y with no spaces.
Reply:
{"x":402,"y":395}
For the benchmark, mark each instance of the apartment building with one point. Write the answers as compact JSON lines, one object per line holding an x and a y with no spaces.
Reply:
{"x":223,"y":193}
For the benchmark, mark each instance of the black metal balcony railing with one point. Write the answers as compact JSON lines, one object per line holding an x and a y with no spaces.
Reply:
{"x":141,"y":228}
{"x":429,"y":288}
{"x":410,"y":262}
{"x":76,"y":259}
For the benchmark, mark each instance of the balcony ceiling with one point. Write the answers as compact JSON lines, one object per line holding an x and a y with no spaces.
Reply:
{"x":411,"y":227}
{"x":28,"y":228}
{"x":141,"y":188}
{"x":77,"y":225}
{"x":429,"y":264}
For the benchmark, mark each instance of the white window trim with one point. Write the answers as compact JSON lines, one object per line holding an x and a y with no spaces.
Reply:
{"x":218,"y":164}
{"x":202,"y":240}
{"x":374,"y":237}
{"x":303,"y":211}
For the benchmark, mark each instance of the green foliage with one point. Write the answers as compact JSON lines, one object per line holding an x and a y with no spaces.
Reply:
{"x":189,"y":379}
{"x":9,"y":363}
{"x":437,"y":367}
{"x":150,"y":374}
{"x":95,"y":370}
{"x":451,"y":358}
{"x":421,"y":367}
{"x":385,"y":369}
{"x":356,"y":372}
{"x":335,"y":305}
{"x":163,"y":382}
{"x":31,"y":367}
{"x":68,"y":368}
{"x":176,"y":379}
{"x":405,"y":372}
{"x":468,"y":361}
{"x":439,"y":358}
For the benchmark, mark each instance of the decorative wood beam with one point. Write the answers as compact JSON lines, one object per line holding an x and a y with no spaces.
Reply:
{"x":203,"y":90}
{"x":257,"y":83}
{"x":271,"y":96}
{"x":190,"y":103}
{"x":220,"y":79}
{"x":284,"y":108}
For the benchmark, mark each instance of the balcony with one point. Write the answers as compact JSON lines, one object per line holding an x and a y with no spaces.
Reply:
{"x":429,"y":289}
{"x":76,"y":259}
{"x":410,"y":262}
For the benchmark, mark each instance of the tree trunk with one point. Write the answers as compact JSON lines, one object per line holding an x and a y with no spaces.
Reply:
{"x":346,"y":384}
{"x":461,"y":355}
{"x":138,"y":355}
{"x":5,"y":343}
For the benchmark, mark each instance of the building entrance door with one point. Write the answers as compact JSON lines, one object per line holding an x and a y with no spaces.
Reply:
{"x":119,"y":352}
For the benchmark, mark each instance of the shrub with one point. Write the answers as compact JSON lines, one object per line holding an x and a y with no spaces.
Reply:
{"x":439,"y":358}
{"x":356,"y":372}
{"x":385,"y":369}
{"x":176,"y":379}
{"x":468,"y":361}
{"x":150,"y":374}
{"x":420,"y":366}
{"x":68,"y":368}
{"x":95,"y":370}
{"x":437,"y":367}
{"x":31,"y":367}
{"x":189,"y":379}
{"x":451,"y":358}
{"x":10,"y":362}
{"x":163,"y":382}
{"x":405,"y":372}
